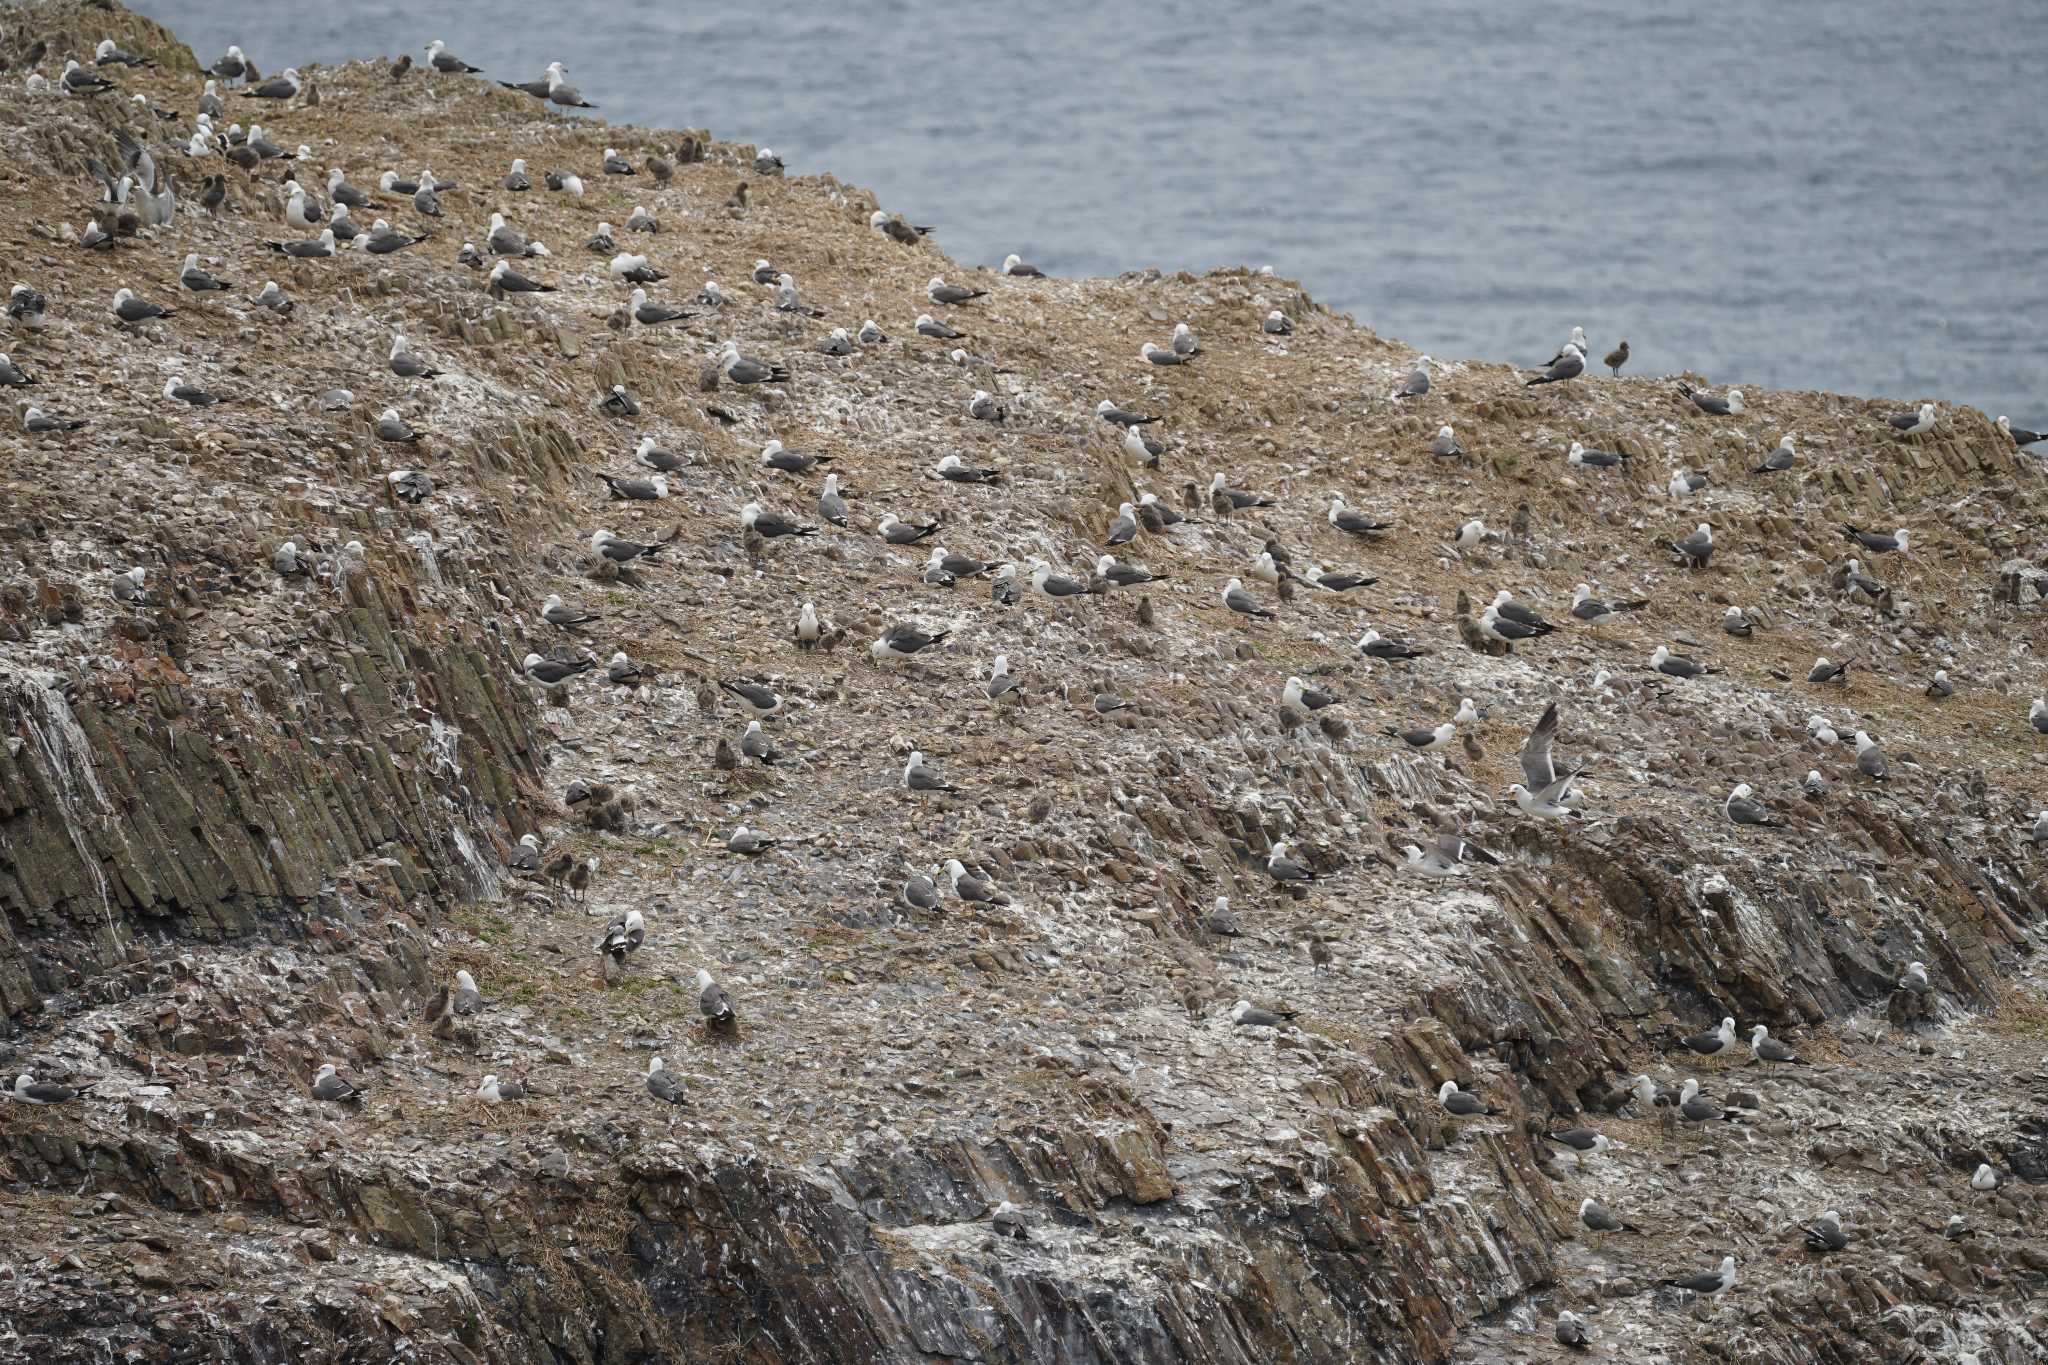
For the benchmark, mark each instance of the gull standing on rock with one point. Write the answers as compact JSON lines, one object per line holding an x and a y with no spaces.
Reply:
{"x":1697,"y":548}
{"x":1714,"y":1042}
{"x":1243,"y":603}
{"x":1731,"y":406}
{"x":1462,"y":1103}
{"x":918,"y":778}
{"x":1712,"y":1284}
{"x":1284,"y":869}
{"x":1905,"y":424}
{"x":661,"y":1084}
{"x":1569,"y":365}
{"x":1782,"y":458}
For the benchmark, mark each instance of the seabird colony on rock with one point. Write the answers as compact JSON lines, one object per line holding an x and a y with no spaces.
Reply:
{"x":142,"y":198}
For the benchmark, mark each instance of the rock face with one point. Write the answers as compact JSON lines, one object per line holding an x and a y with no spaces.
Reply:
{"x":255,"y":821}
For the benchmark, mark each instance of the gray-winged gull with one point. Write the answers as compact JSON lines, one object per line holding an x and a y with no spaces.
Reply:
{"x":831,"y":506}
{"x":624,"y":672}
{"x":1124,"y":527}
{"x":128,"y":586}
{"x":1283,"y":869}
{"x":178,"y":391}
{"x":756,"y":745}
{"x":1570,"y":365}
{"x":1693,"y":1108}
{"x":1825,"y":1233}
{"x":1299,"y":694}
{"x":492,"y":1090}
{"x":1376,"y":646}
{"x":1870,"y":759}
{"x":1876,"y":542}
{"x":1783,"y":457}
{"x":509,"y":281}
{"x":770,"y":527}
{"x":1243,"y":603}
{"x":1417,"y":382}
{"x":1354,"y":522}
{"x":1586,"y":607}
{"x":1160,"y":355}
{"x":1734,"y":622}
{"x":1424,"y":740}
{"x":901,"y":642}
{"x":955,"y":470}
{"x":747,"y":843}
{"x":941,"y":292}
{"x":1247,"y":1015}
{"x":1277,"y":323}
{"x":442,"y":60}
{"x":1678,"y":665}
{"x":713,"y":1003}
{"x":1825,"y":672}
{"x":525,"y":855}
{"x":390,"y":427}
{"x":1714,"y":1041}
{"x":918,"y":778}
{"x":410,"y":485}
{"x":759,"y":700}
{"x":405,"y":364}
{"x":774,"y":456}
{"x":1123,"y":417}
{"x":1768,"y":1049}
{"x":623,"y":935}
{"x":1712,"y":1284}
{"x":2020,"y":436}
{"x":1915,"y":979}
{"x":1594,"y":1215}
{"x":1446,"y":445}
{"x":655,"y":458}
{"x":1941,"y":688}
{"x":661,"y":1084}
{"x":1467,"y":536}
{"x":920,"y":893}
{"x":902,"y":532}
{"x":608,"y":546}
{"x":465,"y":998}
{"x":1184,"y":342}
{"x":1463,"y":1103}
{"x":1740,"y":808}
{"x":329,"y":1085}
{"x":29,"y":1090}
{"x":1002,"y":682}
{"x":744,"y":370}
{"x":1143,"y":449}
{"x":926,"y":325}
{"x":634,"y":269}
{"x":131,"y":309}
{"x":969,"y":887}
{"x":1913,"y":423}
{"x":1236,"y":499}
{"x":1579,"y":457}
{"x":870,"y":335}
{"x":1714,"y":403}
{"x":1120,"y":575}
{"x":1985,"y":1178}
{"x":552,"y":672}
{"x":197,"y":280}
{"x":1684,"y":482}
{"x":650,"y":314}
{"x":1571,"y":1331}
{"x":1495,"y":626}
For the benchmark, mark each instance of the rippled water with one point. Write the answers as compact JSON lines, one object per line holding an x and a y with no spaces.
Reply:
{"x":1842,"y":194}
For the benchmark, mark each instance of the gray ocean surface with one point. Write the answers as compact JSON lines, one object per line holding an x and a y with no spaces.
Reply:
{"x":1833,"y":194}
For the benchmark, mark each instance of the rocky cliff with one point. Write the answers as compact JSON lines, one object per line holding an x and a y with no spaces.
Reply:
{"x":252,"y":822}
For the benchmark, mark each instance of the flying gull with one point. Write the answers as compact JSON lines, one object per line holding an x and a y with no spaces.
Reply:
{"x":1547,"y":786}
{"x":1417,"y":382}
{"x":1870,"y":759}
{"x":918,"y":778}
{"x":1713,"y":403}
{"x":328,"y":1085}
{"x":1463,"y":1103}
{"x":771,"y":527}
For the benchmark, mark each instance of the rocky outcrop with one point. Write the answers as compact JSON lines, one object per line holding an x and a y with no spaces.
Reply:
{"x":254,"y":822}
